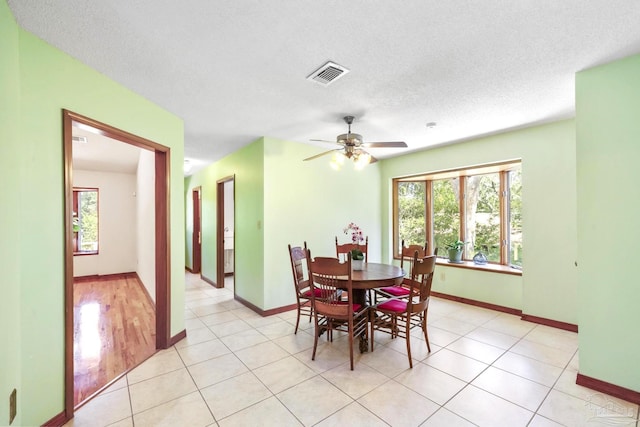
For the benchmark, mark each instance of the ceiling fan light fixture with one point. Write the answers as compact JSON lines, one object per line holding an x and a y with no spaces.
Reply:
{"x":361,"y":160}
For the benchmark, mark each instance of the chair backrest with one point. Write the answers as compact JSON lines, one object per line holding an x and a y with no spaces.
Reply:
{"x":343,"y":249}
{"x":299,"y":267}
{"x":328,"y":276}
{"x":421,"y":279}
{"x":407,"y":256}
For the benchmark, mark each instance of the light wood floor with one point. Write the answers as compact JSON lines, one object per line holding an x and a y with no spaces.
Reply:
{"x":114,"y":331}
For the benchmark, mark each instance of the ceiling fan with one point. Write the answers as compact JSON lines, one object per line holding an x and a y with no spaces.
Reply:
{"x":353,"y":147}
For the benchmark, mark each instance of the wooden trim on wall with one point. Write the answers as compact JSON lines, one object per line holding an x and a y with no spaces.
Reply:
{"x":476,"y":303}
{"x":177,"y":337}
{"x":58,"y":420}
{"x":608,"y":388}
{"x":549,"y":322}
{"x":163,"y":250}
{"x":209,"y":281}
{"x":269,"y":312}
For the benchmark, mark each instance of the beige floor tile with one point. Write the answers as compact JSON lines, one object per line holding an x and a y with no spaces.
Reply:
{"x":259,"y":321}
{"x":355,"y":383}
{"x":279,"y":376}
{"x":574,"y":363}
{"x":231,"y":327}
{"x":313,"y":400}
{"x":295,"y":343}
{"x":456,"y":364}
{"x":554,"y":337}
{"x":510,"y":325}
{"x":243,"y":339}
{"x":543,"y":353}
{"x":217,"y":369}
{"x":261,"y":354}
{"x":105,"y":409}
{"x":196,"y":337}
{"x":160,"y":389}
{"x":474,"y":315}
{"x":398,"y":405}
{"x":540,"y":421}
{"x":189,"y":410}
{"x":511,"y":387}
{"x":276,"y":329}
{"x":430,"y":382}
{"x":526,"y":367}
{"x":496,"y":339}
{"x":441,"y":337}
{"x":121,"y":383}
{"x":268,"y":413}
{"x":328,"y":356}
{"x":419,"y":349}
{"x":566,"y":410}
{"x":235,"y":394}
{"x":192,"y":324}
{"x":203,"y":351}
{"x":453,"y":325}
{"x":353,"y":415}
{"x":567,"y":384}
{"x":158,"y":364}
{"x":386,"y":361}
{"x":218,"y":317}
{"x":446,"y":418}
{"x":485,"y":409}
{"x":477,"y":350}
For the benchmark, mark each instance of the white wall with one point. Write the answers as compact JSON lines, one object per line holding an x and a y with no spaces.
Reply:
{"x":145,"y":219}
{"x":117,"y":223}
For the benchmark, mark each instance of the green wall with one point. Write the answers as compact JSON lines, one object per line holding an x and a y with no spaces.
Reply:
{"x":10,"y":355}
{"x":547,"y":287}
{"x":48,"y":81}
{"x":608,"y":148}
{"x":294,"y":201}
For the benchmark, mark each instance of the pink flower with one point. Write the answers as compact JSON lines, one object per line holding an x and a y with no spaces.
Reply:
{"x":356,"y":233}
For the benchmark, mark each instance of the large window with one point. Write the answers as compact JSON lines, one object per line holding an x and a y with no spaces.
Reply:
{"x":85,"y":221}
{"x":480,"y":206}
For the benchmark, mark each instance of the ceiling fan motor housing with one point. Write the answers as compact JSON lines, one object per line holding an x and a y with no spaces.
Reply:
{"x":350,"y":139}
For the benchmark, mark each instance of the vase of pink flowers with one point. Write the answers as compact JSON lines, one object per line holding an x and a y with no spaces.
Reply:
{"x":357,"y":257}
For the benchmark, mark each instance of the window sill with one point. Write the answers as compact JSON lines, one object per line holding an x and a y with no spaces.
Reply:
{"x":85,"y":253}
{"x":492,"y":268}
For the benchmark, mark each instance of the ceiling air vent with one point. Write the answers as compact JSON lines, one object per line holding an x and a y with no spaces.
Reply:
{"x":80,"y":139}
{"x":328,"y":73}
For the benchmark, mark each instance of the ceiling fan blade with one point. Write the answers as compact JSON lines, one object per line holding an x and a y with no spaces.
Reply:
{"x":321,"y":154}
{"x":322,"y":140}
{"x":390,"y":144}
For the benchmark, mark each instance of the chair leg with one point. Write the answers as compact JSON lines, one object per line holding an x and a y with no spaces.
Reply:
{"x":408,"y":339}
{"x":350,"y":329}
{"x":315,"y":338}
{"x":298,"y":319}
{"x":426,"y":335}
{"x":372,"y":318}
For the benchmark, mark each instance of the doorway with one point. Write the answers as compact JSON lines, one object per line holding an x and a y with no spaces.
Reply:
{"x":196,"y":196}
{"x":225,"y":233}
{"x":161,"y":269}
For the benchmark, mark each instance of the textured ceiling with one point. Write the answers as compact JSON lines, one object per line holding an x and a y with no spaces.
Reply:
{"x":236,"y":70}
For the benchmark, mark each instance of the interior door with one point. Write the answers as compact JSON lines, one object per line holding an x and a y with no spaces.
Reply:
{"x":197,"y":231}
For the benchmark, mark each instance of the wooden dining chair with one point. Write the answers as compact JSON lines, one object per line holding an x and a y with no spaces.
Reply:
{"x":397,"y":316}
{"x":407,"y":256}
{"x":300,"y":270}
{"x":343,"y":249}
{"x":330,"y":311}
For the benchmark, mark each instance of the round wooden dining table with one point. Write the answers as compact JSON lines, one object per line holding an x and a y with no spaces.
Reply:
{"x":373,"y":275}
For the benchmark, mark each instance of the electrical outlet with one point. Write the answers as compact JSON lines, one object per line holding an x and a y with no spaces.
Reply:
{"x":13,"y":405}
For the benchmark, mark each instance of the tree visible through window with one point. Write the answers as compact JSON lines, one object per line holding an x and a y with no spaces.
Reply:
{"x":480,"y":206}
{"x":85,"y":220}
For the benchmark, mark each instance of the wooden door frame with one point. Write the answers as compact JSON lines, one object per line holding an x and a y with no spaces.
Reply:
{"x":162,"y":237}
{"x":196,"y":266}
{"x":220,"y":230}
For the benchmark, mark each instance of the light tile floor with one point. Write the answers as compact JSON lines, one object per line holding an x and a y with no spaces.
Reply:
{"x":236,"y":368}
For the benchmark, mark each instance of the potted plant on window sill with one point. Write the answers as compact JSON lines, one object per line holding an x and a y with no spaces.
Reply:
{"x":455,"y":251}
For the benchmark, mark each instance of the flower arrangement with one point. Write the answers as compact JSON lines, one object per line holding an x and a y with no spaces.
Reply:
{"x":356,"y":238}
